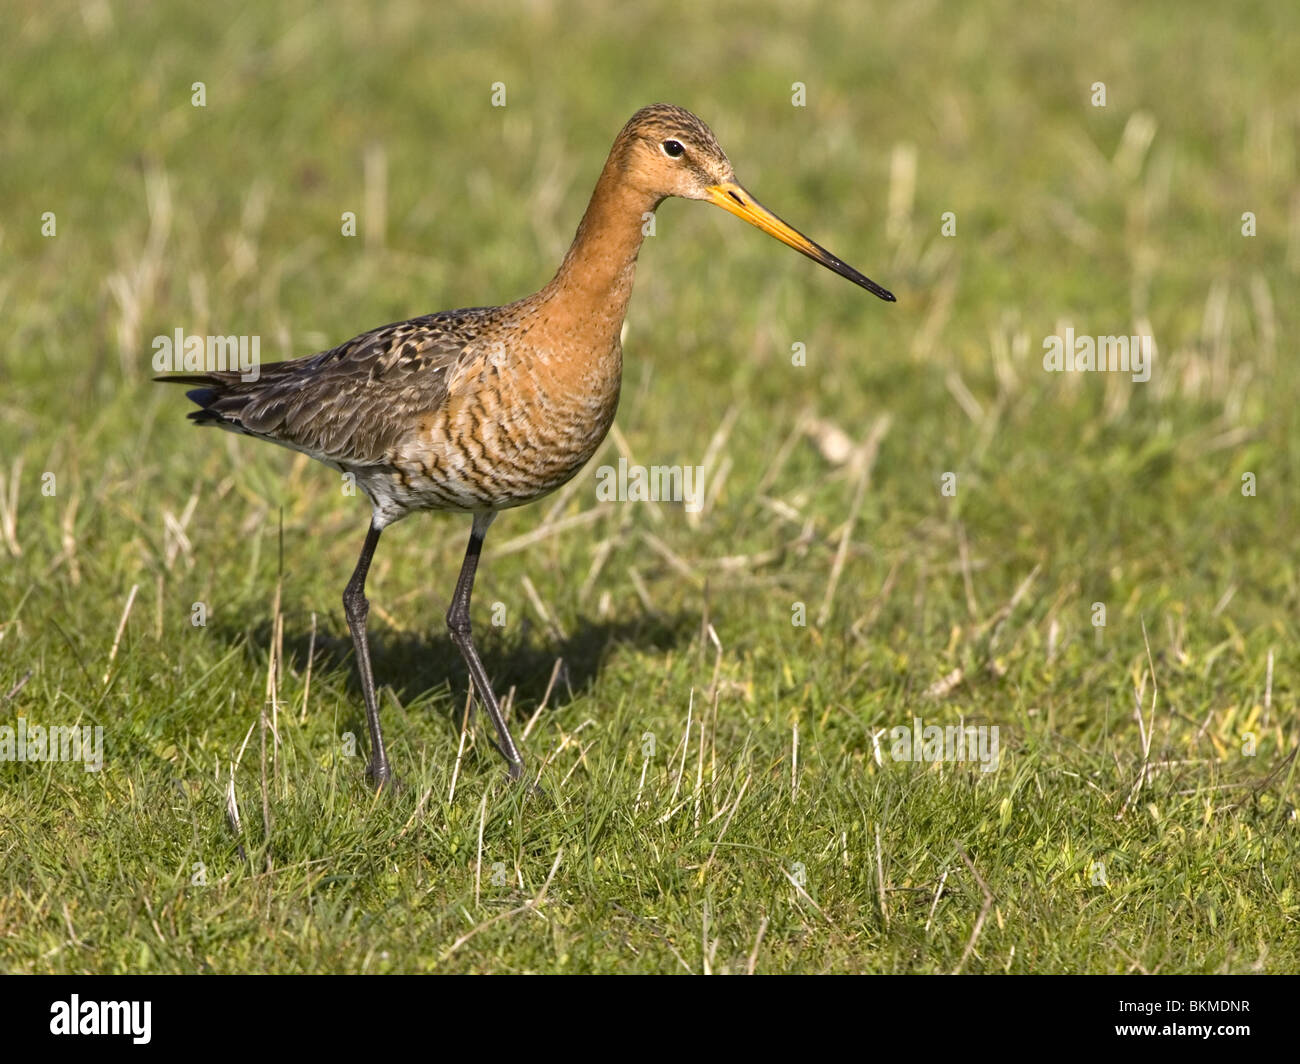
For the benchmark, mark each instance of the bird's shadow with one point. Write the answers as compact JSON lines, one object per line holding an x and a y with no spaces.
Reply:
{"x":414,"y":663}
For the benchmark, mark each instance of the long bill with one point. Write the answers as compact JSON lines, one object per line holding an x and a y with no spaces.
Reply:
{"x":731,"y":197}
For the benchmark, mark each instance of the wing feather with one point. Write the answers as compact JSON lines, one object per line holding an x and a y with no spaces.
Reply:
{"x":352,"y":404}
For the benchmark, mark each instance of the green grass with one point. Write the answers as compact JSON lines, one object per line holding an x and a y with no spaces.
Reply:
{"x":1071,"y":490}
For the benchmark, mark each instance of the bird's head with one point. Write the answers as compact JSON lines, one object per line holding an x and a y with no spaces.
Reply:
{"x":667,"y":151}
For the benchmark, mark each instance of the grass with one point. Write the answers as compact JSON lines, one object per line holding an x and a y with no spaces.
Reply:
{"x":715,"y":801}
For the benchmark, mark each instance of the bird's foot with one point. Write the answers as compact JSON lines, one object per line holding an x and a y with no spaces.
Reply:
{"x":515,"y":773}
{"x":382,"y":778}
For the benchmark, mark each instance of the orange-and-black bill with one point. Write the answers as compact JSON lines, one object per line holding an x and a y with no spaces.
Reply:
{"x":731,"y":197}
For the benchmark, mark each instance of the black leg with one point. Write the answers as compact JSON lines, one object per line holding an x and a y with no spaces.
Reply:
{"x":356,"y":607}
{"x":459,"y":626}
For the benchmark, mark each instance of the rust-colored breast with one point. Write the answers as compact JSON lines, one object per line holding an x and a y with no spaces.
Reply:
{"x":520,"y":419}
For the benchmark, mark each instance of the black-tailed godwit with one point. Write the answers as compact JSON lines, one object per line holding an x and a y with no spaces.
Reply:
{"x":483,"y":409}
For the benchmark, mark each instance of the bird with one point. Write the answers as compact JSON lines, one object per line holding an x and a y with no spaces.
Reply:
{"x":483,"y":409}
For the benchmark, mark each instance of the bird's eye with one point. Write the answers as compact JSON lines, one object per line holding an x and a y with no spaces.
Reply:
{"x":673,"y":149}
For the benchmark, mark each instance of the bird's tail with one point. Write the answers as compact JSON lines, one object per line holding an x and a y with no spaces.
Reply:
{"x":218,"y":397}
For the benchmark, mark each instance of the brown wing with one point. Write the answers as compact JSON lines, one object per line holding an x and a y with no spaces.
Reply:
{"x":351,"y":404}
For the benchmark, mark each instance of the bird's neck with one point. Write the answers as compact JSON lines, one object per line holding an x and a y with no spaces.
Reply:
{"x":595,"y":279}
